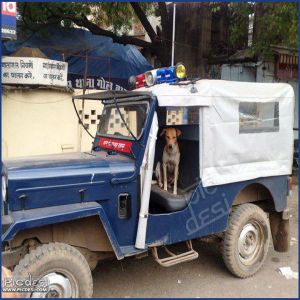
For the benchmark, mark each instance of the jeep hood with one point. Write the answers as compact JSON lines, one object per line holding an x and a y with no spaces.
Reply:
{"x":60,"y":179}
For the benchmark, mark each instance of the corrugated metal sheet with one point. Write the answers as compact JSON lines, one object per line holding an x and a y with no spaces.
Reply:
{"x":238,"y":72}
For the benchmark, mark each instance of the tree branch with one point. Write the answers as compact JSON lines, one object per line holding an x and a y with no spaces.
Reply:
{"x":162,"y":8}
{"x":95,"y":29}
{"x":143,"y":19}
{"x":124,"y":39}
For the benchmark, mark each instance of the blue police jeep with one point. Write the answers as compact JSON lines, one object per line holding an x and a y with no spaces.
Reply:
{"x":63,"y":213}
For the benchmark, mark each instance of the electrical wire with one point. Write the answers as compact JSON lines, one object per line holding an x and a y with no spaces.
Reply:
{"x":80,"y":121}
{"x":26,"y":102}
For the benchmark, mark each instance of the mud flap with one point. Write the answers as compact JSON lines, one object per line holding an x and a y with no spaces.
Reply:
{"x":280,"y":228}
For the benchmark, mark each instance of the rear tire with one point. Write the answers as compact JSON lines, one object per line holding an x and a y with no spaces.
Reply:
{"x":246,"y":241}
{"x":64,"y":267}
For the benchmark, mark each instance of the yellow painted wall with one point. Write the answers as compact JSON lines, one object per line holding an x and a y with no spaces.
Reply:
{"x":43,"y":121}
{"x":37,"y":121}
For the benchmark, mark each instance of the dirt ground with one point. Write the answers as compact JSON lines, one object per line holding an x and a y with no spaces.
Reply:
{"x":204,"y":277}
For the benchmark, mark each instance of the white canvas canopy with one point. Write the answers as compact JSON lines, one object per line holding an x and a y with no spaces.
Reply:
{"x":246,"y":132}
{"x":246,"y":129}
{"x":180,"y":95}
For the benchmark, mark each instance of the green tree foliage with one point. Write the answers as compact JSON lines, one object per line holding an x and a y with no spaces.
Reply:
{"x":275,"y":23}
{"x":117,"y":16}
{"x":112,"y":19}
{"x":238,"y":24}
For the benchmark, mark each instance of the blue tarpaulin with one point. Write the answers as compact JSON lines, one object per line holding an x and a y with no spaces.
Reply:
{"x":109,"y":65}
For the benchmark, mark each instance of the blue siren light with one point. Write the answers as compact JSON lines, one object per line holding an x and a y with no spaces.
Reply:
{"x":166,"y":75}
{"x":170,"y":74}
{"x":160,"y":76}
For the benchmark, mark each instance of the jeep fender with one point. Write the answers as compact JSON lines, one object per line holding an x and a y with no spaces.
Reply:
{"x":33,"y":218}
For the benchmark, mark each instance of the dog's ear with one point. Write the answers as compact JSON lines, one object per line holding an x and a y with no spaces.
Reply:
{"x":178,"y":132}
{"x":163,"y":132}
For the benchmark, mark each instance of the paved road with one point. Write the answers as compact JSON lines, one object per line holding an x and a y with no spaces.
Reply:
{"x":204,"y":277}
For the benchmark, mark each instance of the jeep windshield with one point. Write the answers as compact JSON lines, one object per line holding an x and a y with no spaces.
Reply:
{"x":133,"y":119}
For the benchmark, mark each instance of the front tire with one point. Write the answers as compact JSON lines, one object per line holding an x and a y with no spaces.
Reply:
{"x":246,"y":241}
{"x":63,"y":267}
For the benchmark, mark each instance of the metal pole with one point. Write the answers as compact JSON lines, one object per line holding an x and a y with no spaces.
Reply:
{"x":82,"y":103}
{"x":173,"y":34}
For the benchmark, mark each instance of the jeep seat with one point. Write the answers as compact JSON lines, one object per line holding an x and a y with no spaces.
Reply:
{"x":167,"y":201}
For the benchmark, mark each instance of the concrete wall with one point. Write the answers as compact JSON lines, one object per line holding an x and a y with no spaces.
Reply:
{"x":37,"y":121}
{"x":43,"y":121}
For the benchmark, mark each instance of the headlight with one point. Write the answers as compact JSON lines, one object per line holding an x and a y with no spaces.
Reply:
{"x":4,"y":188}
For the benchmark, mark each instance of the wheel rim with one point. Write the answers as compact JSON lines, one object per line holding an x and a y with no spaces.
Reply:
{"x":58,"y":286}
{"x":250,"y":243}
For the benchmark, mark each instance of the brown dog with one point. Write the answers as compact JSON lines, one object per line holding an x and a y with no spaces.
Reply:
{"x":170,"y":161}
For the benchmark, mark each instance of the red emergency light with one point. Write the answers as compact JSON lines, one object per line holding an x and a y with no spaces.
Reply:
{"x":140,"y":80}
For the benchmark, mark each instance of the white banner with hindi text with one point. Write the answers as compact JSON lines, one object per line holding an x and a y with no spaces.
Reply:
{"x":34,"y":70}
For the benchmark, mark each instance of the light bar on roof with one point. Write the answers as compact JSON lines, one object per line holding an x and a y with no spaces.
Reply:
{"x":168,"y":75}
